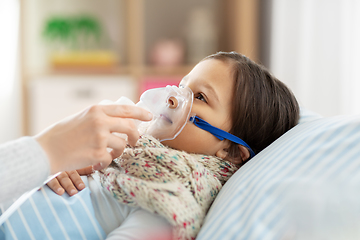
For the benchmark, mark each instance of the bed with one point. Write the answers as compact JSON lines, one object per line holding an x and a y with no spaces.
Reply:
{"x":303,"y":186}
{"x":306,"y":185}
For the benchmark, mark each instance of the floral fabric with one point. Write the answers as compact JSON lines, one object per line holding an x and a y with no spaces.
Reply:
{"x":175,"y":184}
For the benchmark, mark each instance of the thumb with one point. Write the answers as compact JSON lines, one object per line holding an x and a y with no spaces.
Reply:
{"x":85,"y":171}
{"x":101,"y":165}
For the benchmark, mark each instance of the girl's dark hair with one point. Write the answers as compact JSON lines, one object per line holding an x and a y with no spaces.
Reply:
{"x":264,"y":108}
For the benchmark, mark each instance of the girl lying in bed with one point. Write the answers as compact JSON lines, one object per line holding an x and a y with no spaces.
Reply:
{"x":168,"y":187}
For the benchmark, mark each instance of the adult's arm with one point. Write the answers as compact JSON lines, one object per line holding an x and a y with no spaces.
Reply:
{"x":23,"y":166}
{"x":78,"y":141}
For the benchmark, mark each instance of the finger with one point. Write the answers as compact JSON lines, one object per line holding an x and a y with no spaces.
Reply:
{"x":76,"y":179}
{"x":127,"y":111}
{"x":67,"y":184}
{"x":85,"y":171}
{"x":117,"y":144}
{"x":104,"y":162}
{"x":56,"y":187}
{"x":125,"y":126}
{"x":99,"y":166}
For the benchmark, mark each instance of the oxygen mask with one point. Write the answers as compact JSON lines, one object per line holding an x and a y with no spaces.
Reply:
{"x":171,"y":109}
{"x":170,"y":106}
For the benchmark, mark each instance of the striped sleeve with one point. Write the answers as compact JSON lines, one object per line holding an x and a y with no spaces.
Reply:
{"x":45,"y":215}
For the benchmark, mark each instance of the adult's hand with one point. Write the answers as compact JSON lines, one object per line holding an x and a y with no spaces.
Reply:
{"x":82,"y":140}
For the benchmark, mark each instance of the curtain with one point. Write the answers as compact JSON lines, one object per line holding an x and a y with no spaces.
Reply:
{"x":314,"y":49}
{"x":10,"y":94}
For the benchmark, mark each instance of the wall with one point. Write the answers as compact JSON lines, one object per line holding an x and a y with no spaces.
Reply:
{"x":314,"y":49}
{"x":10,"y":96}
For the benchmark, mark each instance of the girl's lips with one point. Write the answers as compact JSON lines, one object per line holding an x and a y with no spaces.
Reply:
{"x":166,"y":118}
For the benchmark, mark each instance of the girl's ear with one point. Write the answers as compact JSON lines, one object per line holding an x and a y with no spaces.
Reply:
{"x":242,"y":157}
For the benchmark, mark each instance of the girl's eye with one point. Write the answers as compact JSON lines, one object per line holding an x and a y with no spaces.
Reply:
{"x":201,"y":97}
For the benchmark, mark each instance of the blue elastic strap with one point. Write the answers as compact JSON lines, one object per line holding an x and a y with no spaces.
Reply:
{"x":220,"y":134}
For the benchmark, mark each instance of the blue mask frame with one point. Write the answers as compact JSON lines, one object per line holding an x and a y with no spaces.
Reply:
{"x":220,"y":134}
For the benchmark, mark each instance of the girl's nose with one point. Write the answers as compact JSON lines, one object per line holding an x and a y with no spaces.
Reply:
{"x":173,"y":102}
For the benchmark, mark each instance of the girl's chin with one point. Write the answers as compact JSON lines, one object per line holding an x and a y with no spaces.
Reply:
{"x":172,"y":144}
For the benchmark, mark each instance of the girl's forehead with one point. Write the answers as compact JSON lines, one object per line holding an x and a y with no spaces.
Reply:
{"x":210,"y":69}
{"x":214,"y":78}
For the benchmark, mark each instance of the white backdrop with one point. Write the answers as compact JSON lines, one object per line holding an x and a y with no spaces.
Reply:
{"x":315,"y":50}
{"x":10,"y":97}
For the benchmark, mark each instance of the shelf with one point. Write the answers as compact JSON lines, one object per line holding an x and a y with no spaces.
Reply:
{"x":165,"y":71}
{"x":124,"y":70}
{"x":134,"y":28}
{"x":90,"y":71}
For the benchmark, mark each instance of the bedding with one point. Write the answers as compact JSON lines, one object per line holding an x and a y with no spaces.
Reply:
{"x":307,"y":115}
{"x":43,"y":221}
{"x":306,"y":185}
{"x":303,"y":186}
{"x":89,"y":214}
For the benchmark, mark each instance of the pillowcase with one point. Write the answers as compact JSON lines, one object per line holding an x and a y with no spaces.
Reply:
{"x":46,"y":215}
{"x":305,"y":185}
{"x":307,"y":115}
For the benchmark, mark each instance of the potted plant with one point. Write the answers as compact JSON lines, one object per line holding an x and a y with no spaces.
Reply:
{"x":77,"y":42}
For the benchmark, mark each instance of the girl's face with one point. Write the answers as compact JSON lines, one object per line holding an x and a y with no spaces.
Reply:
{"x":212,"y":84}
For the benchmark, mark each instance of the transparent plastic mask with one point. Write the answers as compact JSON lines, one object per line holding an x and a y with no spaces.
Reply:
{"x":170,"y":106}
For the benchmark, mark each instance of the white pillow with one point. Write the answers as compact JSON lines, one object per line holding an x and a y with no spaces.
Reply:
{"x":306,"y":185}
{"x":307,"y":115}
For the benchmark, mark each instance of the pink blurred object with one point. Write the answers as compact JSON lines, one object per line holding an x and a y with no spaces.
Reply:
{"x":167,"y":52}
{"x":158,"y":82}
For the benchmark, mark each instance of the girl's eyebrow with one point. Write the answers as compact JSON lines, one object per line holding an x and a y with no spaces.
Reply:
{"x":206,"y":85}
{"x":210,"y":89}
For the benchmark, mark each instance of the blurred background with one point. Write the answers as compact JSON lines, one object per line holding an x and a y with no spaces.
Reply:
{"x":59,"y":56}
